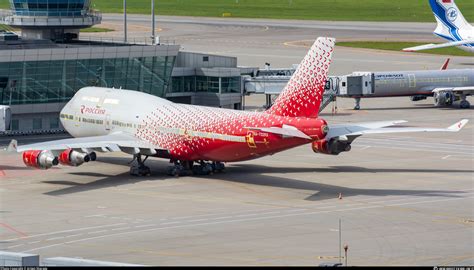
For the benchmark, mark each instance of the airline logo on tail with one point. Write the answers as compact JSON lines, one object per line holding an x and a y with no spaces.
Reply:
{"x":452,"y":14}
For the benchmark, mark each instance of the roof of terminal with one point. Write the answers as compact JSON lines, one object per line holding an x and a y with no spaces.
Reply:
{"x":23,"y":44}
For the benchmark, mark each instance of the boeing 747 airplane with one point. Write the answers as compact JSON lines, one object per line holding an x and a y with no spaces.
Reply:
{"x":452,"y":26}
{"x":200,"y":139}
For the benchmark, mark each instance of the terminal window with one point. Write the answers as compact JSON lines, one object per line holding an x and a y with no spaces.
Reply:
{"x":60,"y":8}
{"x":57,"y":81}
{"x":37,"y":123}
{"x":15,"y":124}
{"x":53,"y":123}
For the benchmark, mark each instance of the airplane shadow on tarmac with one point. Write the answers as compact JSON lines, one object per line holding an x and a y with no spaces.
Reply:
{"x":13,"y":168}
{"x":256,"y":175}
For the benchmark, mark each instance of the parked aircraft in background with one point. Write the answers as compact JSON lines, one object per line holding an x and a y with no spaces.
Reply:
{"x":445,"y":86}
{"x":104,"y":120}
{"x":451,"y":26}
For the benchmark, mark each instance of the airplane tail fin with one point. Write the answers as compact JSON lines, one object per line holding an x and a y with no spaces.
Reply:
{"x":303,"y":94}
{"x":445,"y":65}
{"x":450,"y":19}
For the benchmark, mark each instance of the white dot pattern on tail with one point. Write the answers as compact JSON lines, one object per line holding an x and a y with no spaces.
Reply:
{"x":302,"y":95}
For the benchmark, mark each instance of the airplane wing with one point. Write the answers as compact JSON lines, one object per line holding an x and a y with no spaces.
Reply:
{"x":437,"y":46}
{"x":119,"y":141}
{"x":458,"y":90}
{"x":352,"y":131}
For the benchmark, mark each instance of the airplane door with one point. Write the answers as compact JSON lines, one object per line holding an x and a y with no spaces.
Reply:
{"x":411,"y":81}
{"x":108,"y":123}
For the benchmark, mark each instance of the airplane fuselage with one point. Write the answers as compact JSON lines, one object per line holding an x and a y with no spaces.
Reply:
{"x":187,"y":132}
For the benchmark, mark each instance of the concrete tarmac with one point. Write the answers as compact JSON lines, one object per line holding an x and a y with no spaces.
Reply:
{"x":407,"y":199}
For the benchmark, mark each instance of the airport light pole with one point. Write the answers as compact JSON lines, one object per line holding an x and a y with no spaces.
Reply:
{"x":153,"y":22}
{"x":125,"y":21}
{"x":340,"y":243}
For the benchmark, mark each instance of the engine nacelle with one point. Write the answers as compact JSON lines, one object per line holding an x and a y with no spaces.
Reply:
{"x":40,"y":159}
{"x":417,"y":98}
{"x":70,"y":157}
{"x":332,"y":147}
{"x":444,"y":98}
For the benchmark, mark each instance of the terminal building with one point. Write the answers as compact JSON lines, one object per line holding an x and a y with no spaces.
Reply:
{"x":41,"y":69}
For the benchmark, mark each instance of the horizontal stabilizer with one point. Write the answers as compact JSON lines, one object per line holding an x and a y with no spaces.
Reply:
{"x":285,"y":130}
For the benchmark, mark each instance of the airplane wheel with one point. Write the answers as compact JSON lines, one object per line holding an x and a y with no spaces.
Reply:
{"x":140,"y":171}
{"x":218,"y":167}
{"x":203,"y":169}
{"x":464,"y":104}
{"x":175,"y":171}
{"x":144,"y":171}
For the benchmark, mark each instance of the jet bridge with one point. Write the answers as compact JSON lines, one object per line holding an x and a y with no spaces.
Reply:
{"x":5,"y":118}
{"x":271,"y":87}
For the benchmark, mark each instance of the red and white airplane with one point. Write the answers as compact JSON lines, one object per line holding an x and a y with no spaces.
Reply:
{"x":106,"y":120}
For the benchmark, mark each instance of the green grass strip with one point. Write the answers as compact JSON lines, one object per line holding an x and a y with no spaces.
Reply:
{"x":398,"y":46}
{"x":96,"y":30}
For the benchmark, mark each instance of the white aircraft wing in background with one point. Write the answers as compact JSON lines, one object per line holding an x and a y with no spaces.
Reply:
{"x":437,"y":46}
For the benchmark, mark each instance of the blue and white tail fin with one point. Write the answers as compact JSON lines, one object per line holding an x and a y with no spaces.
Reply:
{"x":451,"y":26}
{"x":451,"y":23}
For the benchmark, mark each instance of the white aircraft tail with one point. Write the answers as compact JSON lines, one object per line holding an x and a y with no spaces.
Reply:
{"x":450,"y":20}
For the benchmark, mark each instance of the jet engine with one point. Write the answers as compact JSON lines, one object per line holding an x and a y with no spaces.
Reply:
{"x":41,"y":159}
{"x":332,"y":147}
{"x":443,"y":98}
{"x":70,"y":157}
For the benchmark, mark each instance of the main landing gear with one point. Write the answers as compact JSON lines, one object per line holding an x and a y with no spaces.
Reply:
{"x":357,"y":103}
{"x":464,"y":104}
{"x":182,"y":168}
{"x":138,"y":168}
